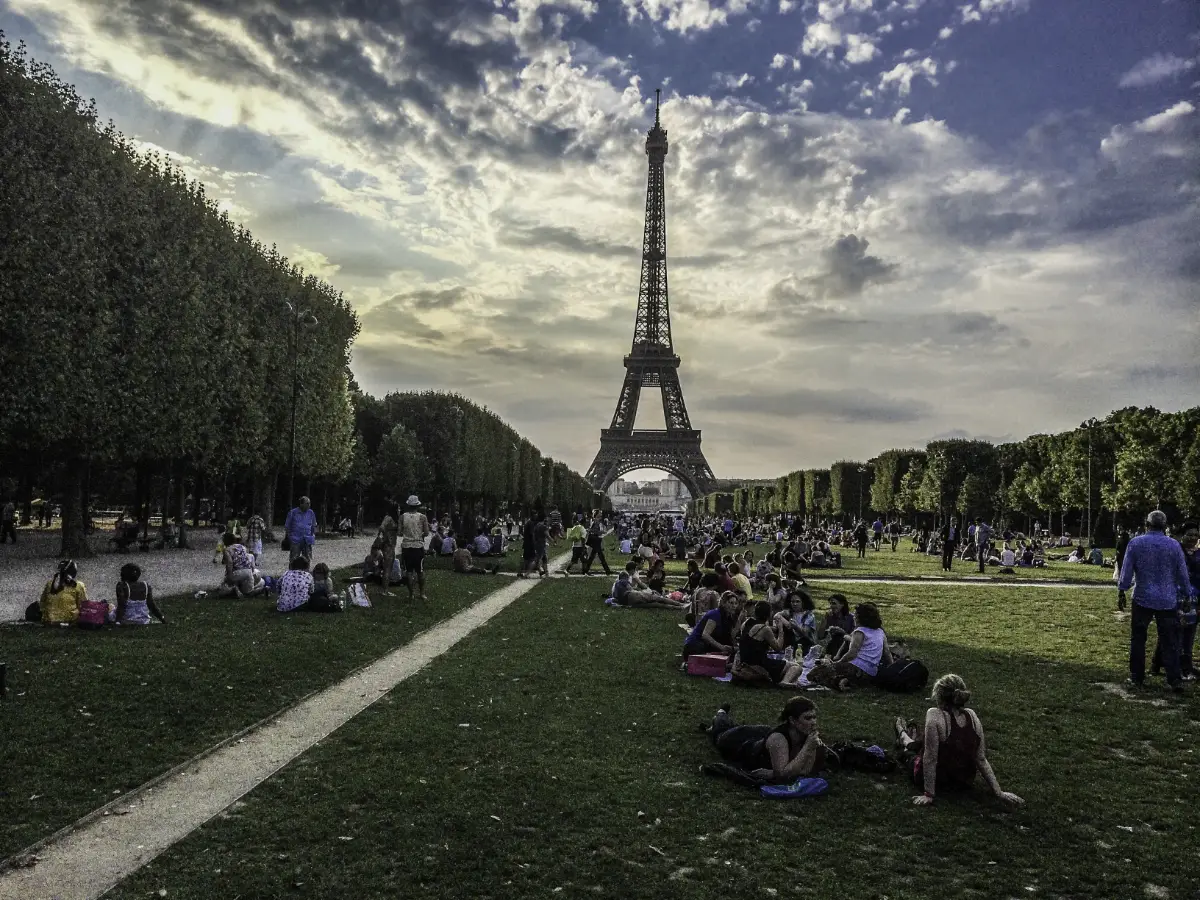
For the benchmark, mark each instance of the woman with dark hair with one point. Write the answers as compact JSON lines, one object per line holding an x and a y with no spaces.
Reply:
{"x":757,"y":637}
{"x":860,"y":657}
{"x":62,"y":596}
{"x":656,"y":578}
{"x":713,"y":633}
{"x":780,"y":753}
{"x":135,"y":598}
{"x":296,"y":586}
{"x":839,"y":617}
{"x":953,"y":748}
{"x":694,"y":576}
{"x":802,"y":620}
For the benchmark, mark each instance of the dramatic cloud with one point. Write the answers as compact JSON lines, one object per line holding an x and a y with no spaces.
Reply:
{"x":471,"y":173}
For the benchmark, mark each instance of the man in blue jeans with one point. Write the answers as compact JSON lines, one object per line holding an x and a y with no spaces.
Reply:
{"x":301,"y":529}
{"x":1155,"y":568}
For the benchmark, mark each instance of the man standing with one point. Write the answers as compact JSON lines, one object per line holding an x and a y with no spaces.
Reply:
{"x":595,"y":542}
{"x":949,"y":542}
{"x":877,"y":530}
{"x":414,"y":527}
{"x":983,"y":544}
{"x":860,"y":539}
{"x":301,"y":529}
{"x":894,"y":531}
{"x":8,"y":522}
{"x":1156,"y":569}
{"x":556,"y":523}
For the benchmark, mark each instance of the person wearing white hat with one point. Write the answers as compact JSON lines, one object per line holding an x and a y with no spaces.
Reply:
{"x":414,"y":527}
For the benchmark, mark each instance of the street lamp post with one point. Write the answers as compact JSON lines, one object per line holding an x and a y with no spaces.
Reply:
{"x":298,"y":318}
{"x":861,"y":471}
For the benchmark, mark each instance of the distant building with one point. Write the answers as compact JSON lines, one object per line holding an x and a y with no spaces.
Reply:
{"x":648,"y":496}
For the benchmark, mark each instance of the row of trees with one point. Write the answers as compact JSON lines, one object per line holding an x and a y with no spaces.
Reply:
{"x":1116,"y":468}
{"x":153,"y":350}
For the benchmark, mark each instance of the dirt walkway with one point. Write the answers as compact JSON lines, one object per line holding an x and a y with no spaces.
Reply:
{"x":88,"y":858}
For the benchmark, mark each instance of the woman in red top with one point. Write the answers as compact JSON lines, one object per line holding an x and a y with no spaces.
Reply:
{"x":952,"y":750}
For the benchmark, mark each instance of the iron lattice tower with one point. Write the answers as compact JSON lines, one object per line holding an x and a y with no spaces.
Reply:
{"x":652,"y":362}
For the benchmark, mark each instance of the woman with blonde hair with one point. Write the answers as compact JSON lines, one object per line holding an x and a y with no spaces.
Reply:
{"x":952,"y":749}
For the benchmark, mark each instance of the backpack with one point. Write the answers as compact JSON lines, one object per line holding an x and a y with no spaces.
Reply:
{"x":903,"y":676}
{"x":860,"y":756}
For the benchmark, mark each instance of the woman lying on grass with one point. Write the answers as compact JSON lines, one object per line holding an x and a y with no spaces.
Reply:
{"x":780,"y":753}
{"x":952,"y":749}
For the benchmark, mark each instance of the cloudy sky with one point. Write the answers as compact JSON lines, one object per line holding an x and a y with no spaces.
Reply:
{"x":889,"y":220}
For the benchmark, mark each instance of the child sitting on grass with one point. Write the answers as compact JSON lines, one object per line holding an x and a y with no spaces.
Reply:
{"x":135,"y":598}
{"x":324,"y":594}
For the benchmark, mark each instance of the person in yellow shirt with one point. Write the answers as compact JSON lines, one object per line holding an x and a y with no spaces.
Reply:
{"x":742,"y":582}
{"x":63,"y":595}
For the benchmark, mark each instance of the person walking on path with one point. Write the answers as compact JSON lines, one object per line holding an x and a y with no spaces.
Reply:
{"x":1156,"y":569}
{"x":414,"y":528}
{"x":877,"y":530}
{"x":577,"y":535}
{"x":949,"y":542}
{"x":983,"y":543}
{"x":595,"y":542}
{"x":8,"y":522}
{"x":301,"y":530}
{"x":860,"y":539}
{"x":255,"y":526}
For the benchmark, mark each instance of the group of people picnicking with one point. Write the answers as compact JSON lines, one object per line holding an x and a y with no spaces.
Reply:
{"x":776,"y":637}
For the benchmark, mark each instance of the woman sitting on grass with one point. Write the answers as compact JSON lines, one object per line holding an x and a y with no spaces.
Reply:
{"x":838,"y":617}
{"x":779,"y":754}
{"x":802,"y":620}
{"x":953,"y":748}
{"x":296,"y":586}
{"x":757,"y":637}
{"x":135,"y":598}
{"x":656,"y":578}
{"x":860,"y":657}
{"x":713,"y":633}
{"x":694,"y":577}
{"x":61,"y":597}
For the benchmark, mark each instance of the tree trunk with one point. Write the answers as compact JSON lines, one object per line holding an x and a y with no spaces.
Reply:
{"x":266,"y":505}
{"x":86,"y":497}
{"x":25,"y":498}
{"x":74,"y":540}
{"x":197,"y":490}
{"x":179,"y":506}
{"x":141,"y":501}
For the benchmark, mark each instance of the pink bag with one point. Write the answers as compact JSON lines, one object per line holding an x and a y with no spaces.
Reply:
{"x":711,"y":664}
{"x":93,"y":614}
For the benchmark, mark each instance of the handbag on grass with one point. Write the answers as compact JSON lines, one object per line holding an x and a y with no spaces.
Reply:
{"x":93,"y":614}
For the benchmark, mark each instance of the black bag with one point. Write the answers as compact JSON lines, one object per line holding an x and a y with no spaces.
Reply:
{"x":904,"y":676}
{"x":286,"y":544}
{"x":33,"y":612}
{"x":855,"y":755}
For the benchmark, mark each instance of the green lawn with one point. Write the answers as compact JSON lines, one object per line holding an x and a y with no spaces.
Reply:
{"x":905,"y":564}
{"x":92,"y":714}
{"x":555,"y":752}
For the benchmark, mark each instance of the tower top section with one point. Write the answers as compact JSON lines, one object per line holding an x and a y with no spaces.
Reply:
{"x":656,"y":137}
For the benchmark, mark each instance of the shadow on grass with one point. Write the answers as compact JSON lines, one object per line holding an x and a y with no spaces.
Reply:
{"x":559,"y":748}
{"x":90,"y":715}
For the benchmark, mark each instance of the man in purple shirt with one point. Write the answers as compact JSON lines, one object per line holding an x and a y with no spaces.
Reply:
{"x":301,"y":529}
{"x":1154,"y":566}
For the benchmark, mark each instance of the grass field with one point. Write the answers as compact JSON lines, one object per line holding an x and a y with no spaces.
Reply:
{"x":555,"y":753}
{"x":905,"y":564}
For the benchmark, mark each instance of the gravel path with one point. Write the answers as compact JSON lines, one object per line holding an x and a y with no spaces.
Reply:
{"x":28,"y":565}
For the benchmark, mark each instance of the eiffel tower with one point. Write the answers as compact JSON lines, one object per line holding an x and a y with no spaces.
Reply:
{"x":652,"y":362}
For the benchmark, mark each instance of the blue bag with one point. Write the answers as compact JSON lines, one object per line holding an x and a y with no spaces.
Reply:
{"x":804,"y":787}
